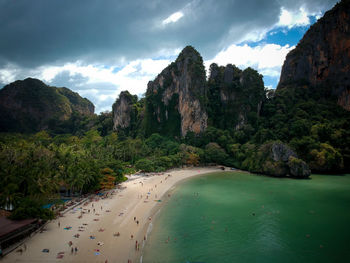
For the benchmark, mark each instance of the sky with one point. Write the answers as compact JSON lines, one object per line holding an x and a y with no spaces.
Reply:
{"x":99,"y":48}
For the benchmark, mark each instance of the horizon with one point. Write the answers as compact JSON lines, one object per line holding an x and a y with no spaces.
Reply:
{"x":100,"y":53}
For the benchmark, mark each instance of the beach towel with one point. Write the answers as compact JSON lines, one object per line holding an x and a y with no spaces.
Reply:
{"x":46,"y":250}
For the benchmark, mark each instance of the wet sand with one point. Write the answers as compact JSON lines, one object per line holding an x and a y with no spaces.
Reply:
{"x":117,"y":215}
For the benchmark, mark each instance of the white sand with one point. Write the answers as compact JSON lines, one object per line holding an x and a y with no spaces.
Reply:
{"x":111,"y":248}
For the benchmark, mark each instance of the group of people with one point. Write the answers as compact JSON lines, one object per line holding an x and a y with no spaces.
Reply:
{"x":73,"y":249}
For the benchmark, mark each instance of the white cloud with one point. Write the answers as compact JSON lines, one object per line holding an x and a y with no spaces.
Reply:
{"x":133,"y":77}
{"x":266,"y":57}
{"x":8,"y":74}
{"x":254,"y":35}
{"x":100,"y":84}
{"x":173,"y":18}
{"x":293,"y":18}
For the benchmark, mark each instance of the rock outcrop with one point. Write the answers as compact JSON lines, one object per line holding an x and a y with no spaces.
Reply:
{"x":283,"y":161}
{"x":234,"y":96}
{"x":123,"y":111}
{"x":175,"y":100}
{"x":298,"y":168}
{"x":28,"y":105}
{"x":322,"y":57}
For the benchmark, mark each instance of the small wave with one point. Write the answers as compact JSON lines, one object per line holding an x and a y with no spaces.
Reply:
{"x":148,"y":232}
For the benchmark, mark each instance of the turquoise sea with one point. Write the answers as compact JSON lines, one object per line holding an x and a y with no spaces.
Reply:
{"x":240,"y":217}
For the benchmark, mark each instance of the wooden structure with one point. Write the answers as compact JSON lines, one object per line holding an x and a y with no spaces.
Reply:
{"x":12,"y":231}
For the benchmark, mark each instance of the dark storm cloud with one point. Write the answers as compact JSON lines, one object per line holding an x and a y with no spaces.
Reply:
{"x":39,"y":32}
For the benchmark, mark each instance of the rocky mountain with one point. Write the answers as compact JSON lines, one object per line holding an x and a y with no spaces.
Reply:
{"x":235,"y":96}
{"x":180,"y":99}
{"x":29,"y":105}
{"x":322,"y":57}
{"x":176,"y":99}
{"x":125,"y":112}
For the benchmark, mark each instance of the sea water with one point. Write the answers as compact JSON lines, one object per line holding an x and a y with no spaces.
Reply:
{"x":240,"y":217}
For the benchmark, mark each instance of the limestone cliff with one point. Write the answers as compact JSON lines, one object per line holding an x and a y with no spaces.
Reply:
{"x":124,"y":111}
{"x":280,"y":160}
{"x":28,"y":105}
{"x":235,"y":96}
{"x":322,"y":57}
{"x":175,"y":100}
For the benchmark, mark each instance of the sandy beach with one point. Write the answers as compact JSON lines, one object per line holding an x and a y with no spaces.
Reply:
{"x":94,"y":233}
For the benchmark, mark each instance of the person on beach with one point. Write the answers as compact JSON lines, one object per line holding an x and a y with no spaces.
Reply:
{"x":76,"y":250}
{"x":59,"y":224}
{"x":132,"y":236}
{"x":137,"y":222}
{"x":144,"y":238}
{"x":134,"y":218}
{"x":72,"y":251}
{"x":136,"y":245}
{"x":70,"y":243}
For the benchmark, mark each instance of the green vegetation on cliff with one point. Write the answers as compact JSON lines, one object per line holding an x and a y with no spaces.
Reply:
{"x":31,"y":105}
{"x":176,"y":100}
{"x":234,"y":96}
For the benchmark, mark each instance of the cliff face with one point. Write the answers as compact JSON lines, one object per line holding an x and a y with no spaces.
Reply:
{"x":280,"y":160}
{"x":123,"y":110}
{"x":235,"y":96}
{"x":175,"y":100}
{"x":322,"y":57}
{"x":28,"y":105}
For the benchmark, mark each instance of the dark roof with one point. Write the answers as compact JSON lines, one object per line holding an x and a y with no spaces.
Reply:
{"x":7,"y":225}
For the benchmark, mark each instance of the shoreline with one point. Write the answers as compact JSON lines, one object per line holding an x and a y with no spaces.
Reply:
{"x":158,"y":207}
{"x":93,"y":232}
